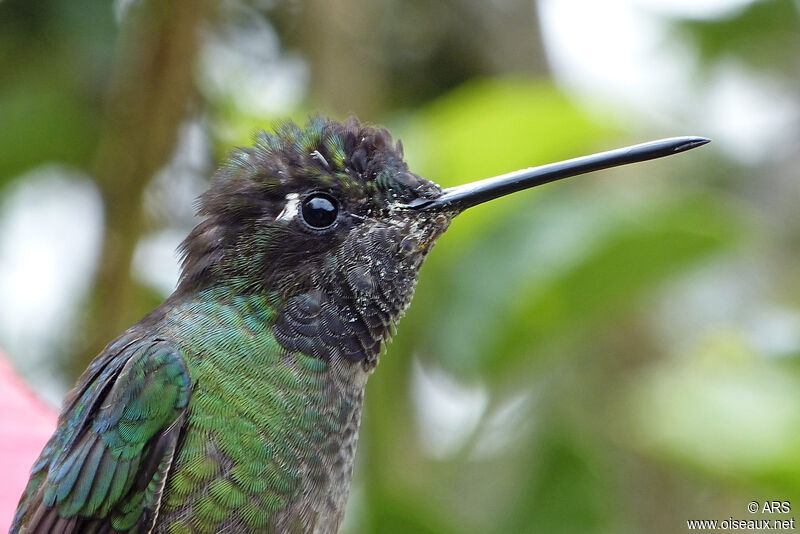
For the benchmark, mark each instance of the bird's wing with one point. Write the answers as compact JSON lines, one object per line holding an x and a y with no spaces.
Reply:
{"x":105,"y":467}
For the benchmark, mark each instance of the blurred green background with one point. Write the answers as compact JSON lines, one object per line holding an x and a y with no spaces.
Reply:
{"x":615,"y":353}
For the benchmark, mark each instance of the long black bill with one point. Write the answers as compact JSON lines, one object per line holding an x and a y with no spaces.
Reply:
{"x":464,"y":196}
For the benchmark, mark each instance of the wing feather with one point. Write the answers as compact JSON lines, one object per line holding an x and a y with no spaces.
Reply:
{"x":105,"y":467}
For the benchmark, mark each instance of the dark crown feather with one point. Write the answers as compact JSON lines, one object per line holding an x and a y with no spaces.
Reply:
{"x":357,"y":161}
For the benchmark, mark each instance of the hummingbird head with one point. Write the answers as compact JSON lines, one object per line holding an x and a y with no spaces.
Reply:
{"x":303,"y":198}
{"x":330,"y":224}
{"x":317,"y":218}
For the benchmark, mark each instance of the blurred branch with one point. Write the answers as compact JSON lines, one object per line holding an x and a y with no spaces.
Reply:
{"x":369,"y":57}
{"x":509,"y":37}
{"x":348,"y":77}
{"x":149,"y":93}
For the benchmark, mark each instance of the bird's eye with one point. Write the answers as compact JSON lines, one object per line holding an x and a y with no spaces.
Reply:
{"x":320,"y":210}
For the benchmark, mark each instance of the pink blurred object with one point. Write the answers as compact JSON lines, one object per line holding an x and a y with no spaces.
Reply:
{"x":26,"y":423}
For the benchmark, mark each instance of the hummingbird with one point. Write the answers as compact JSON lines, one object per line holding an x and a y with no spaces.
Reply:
{"x":235,"y":405}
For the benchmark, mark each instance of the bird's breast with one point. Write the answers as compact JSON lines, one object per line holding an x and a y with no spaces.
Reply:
{"x":270,"y":434}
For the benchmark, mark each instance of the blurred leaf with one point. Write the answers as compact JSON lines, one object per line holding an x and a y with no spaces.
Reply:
{"x":401,"y":514}
{"x":626,"y":265}
{"x":493,"y":126}
{"x":567,"y":491}
{"x":765,"y":35}
{"x":43,"y":122}
{"x":725,"y":411}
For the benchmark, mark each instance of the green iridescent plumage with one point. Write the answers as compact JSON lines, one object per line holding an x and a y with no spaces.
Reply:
{"x":245,"y":441}
{"x":120,"y":414}
{"x":235,"y":405}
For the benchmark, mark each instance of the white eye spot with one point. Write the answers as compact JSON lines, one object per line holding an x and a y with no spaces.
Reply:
{"x":290,"y":210}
